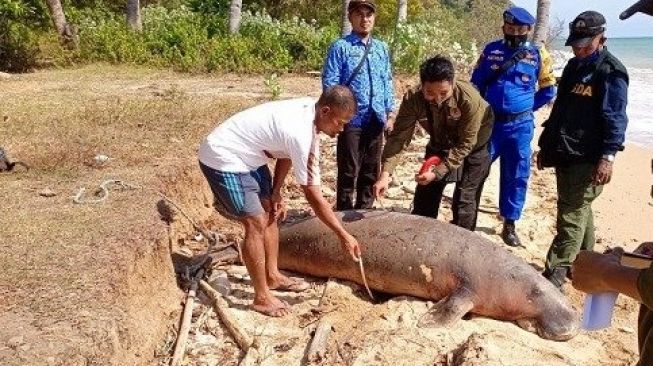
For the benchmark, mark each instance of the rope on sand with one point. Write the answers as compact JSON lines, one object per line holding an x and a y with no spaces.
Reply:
{"x":104,"y":191}
{"x":211,"y":236}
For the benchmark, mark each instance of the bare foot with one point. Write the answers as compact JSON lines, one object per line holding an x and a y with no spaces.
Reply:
{"x":284,"y":283}
{"x":272,"y":307}
{"x":271,"y":310}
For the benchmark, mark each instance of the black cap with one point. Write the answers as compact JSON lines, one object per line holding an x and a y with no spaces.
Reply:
{"x":643,"y":6}
{"x":355,"y":4}
{"x":586,"y":26}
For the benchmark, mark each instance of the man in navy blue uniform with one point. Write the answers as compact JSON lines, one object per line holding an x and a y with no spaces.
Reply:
{"x":516,"y":78}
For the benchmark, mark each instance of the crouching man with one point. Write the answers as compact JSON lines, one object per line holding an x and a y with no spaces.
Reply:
{"x":234,"y":161}
{"x":459,"y":123}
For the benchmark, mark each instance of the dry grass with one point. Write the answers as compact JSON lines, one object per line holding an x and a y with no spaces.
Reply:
{"x":103,"y":261}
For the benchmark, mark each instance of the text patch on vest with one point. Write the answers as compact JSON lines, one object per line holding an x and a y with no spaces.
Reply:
{"x":582,"y":89}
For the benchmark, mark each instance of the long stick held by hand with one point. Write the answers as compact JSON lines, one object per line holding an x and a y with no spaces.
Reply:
{"x":362,"y":270}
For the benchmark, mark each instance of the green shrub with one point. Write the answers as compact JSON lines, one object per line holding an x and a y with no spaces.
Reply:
{"x":110,"y":40}
{"x":18,"y":47}
{"x":191,"y":35}
{"x":178,"y":36}
{"x":18,"y":42}
{"x":428,"y":36}
{"x":232,"y":54}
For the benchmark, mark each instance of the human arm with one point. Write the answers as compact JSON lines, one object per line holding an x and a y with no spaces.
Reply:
{"x":332,"y":69}
{"x":323,"y":211}
{"x":473,"y":110}
{"x":543,"y":96}
{"x":614,"y":115}
{"x":389,"y":95}
{"x":398,"y":139}
{"x":480,"y":73}
{"x":594,"y":272}
{"x":546,"y":80}
{"x":281,"y":169}
{"x":614,"y":112}
{"x":402,"y":133}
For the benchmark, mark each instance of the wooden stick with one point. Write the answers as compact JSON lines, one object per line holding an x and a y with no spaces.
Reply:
{"x":240,"y":252}
{"x":252,"y":356}
{"x":240,"y":336}
{"x":182,"y":336}
{"x":324,"y":292}
{"x":318,"y":348}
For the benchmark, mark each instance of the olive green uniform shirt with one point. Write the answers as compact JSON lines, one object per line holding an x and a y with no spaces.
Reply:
{"x":645,"y":323}
{"x":460,"y":125}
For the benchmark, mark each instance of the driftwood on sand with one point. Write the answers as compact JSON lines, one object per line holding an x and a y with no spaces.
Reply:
{"x":241,"y":337}
{"x":317,"y":351}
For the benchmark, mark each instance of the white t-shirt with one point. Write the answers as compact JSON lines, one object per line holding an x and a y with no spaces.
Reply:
{"x":283,"y":129}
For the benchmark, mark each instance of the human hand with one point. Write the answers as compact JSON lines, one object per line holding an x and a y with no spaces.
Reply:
{"x":278,"y":208}
{"x":602,"y":173}
{"x":389,"y":126}
{"x":590,"y":270}
{"x":350,"y":244}
{"x":381,"y":186}
{"x":425,"y":178}
{"x":390,"y":123}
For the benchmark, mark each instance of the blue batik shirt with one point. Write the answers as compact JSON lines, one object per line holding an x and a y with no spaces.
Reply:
{"x":372,"y":86}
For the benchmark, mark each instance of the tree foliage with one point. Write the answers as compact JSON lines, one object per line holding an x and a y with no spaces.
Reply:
{"x":274,"y":36}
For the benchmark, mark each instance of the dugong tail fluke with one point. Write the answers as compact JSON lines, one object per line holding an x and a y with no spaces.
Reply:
{"x":422,"y":257}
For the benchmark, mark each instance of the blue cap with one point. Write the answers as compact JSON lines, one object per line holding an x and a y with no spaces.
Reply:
{"x":518,"y":16}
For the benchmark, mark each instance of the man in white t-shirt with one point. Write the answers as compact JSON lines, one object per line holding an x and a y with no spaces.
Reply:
{"x":234,"y":161}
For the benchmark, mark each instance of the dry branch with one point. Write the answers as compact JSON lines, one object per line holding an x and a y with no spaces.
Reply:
{"x":324,"y":292}
{"x":240,"y":335}
{"x":318,"y":348}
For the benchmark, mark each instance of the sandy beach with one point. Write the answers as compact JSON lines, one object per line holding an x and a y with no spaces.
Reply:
{"x":625,"y":209}
{"x":366,"y":333}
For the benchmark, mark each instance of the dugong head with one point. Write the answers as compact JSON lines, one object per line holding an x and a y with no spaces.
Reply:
{"x":557,"y":319}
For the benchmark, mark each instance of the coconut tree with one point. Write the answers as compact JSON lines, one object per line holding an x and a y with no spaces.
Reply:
{"x":402,"y":11}
{"x":134,"y":15}
{"x":235,"y":15}
{"x":64,"y":29}
{"x":345,"y":27}
{"x":542,"y":22}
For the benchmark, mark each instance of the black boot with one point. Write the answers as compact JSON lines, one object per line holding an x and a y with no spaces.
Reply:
{"x":509,"y":235}
{"x":557,"y":276}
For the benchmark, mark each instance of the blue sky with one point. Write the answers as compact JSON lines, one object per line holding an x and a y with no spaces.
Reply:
{"x":638,"y":25}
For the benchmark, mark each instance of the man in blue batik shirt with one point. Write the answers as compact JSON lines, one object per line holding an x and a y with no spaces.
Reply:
{"x":516,"y":78}
{"x":359,"y":145}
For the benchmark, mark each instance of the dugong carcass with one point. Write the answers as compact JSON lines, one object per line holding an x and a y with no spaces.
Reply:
{"x":422,"y":257}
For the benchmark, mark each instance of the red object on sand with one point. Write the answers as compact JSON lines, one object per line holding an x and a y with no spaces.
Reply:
{"x":432,"y":161}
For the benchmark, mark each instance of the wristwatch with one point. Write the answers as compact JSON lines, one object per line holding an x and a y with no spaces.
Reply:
{"x":608,"y":157}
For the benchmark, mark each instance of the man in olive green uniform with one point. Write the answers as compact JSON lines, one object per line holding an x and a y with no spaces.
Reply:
{"x":584,"y":132}
{"x":595,"y":273}
{"x":459,"y":123}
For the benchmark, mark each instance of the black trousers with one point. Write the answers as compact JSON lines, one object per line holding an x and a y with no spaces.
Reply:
{"x":467,"y":193}
{"x":359,"y":161}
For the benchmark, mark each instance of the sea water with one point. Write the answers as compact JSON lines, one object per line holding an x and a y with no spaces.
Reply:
{"x":637,"y":55}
